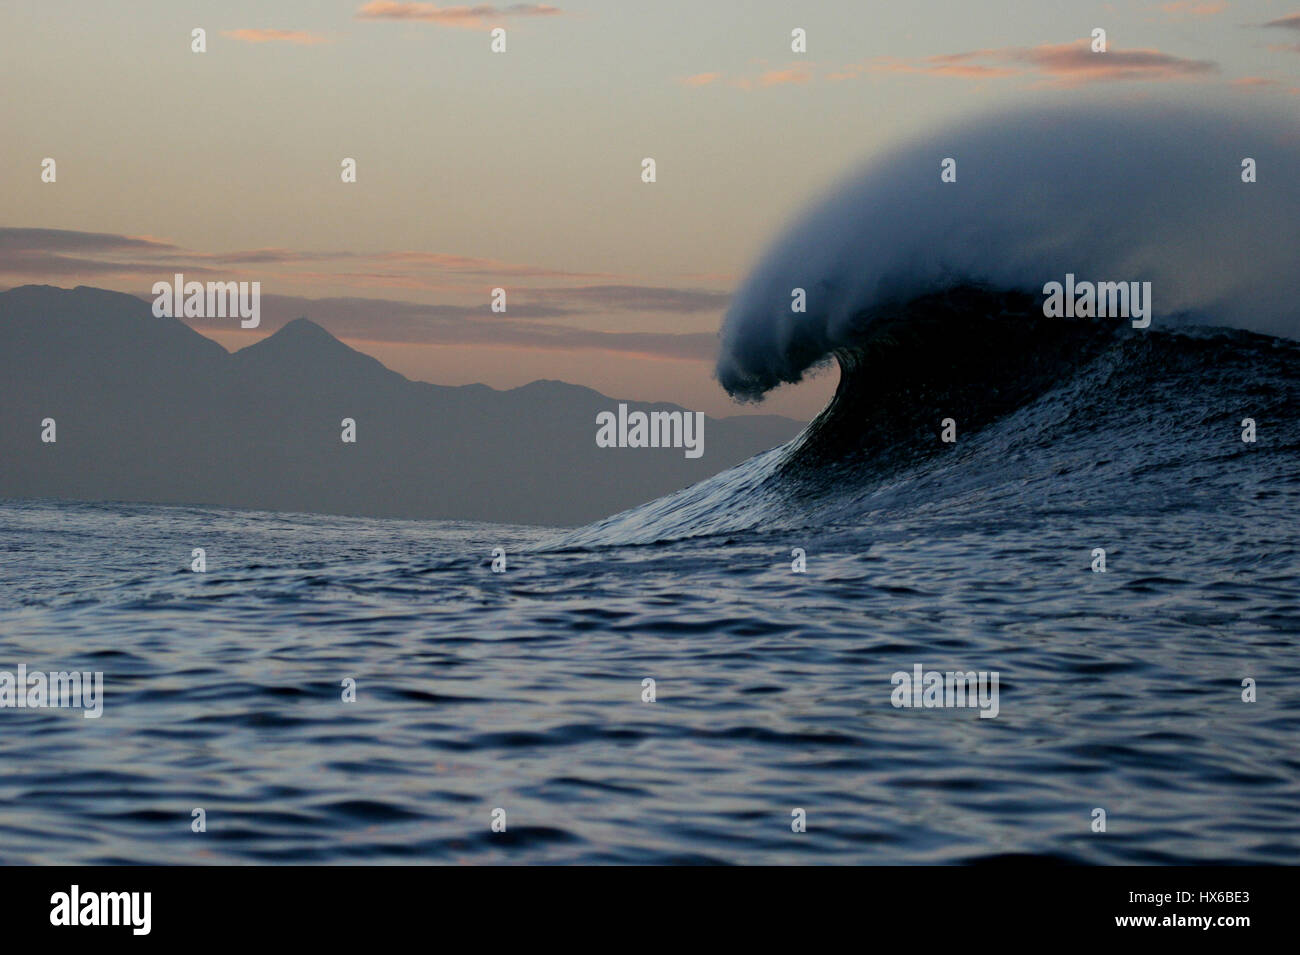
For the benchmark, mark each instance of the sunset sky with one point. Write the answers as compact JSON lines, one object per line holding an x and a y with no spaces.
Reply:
{"x":523,"y":169}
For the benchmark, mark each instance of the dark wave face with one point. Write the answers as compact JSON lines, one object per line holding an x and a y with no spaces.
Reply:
{"x":1071,"y":416}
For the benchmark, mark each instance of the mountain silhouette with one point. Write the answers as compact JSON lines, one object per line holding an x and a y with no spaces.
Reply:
{"x":147,"y":409}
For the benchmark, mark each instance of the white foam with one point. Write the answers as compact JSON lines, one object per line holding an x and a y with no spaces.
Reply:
{"x":1152,"y":193}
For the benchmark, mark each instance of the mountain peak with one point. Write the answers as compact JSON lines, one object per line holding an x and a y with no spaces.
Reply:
{"x":304,"y":347}
{"x":300,"y":331}
{"x":301,"y":335}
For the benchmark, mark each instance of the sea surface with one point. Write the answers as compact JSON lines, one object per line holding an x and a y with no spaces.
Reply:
{"x":523,"y":690}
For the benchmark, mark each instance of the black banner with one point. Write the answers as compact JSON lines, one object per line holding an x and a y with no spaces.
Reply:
{"x":340,"y":904}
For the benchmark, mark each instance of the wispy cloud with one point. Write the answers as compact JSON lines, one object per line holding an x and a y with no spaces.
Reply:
{"x":1059,"y":64}
{"x":463,"y":16}
{"x":798,"y":74}
{"x":296,"y":37}
{"x":794,"y":74}
{"x":629,"y":298}
{"x":478,"y":266}
{"x":32,"y":266}
{"x":56,"y":253}
{"x":1193,"y":8}
{"x":701,"y":79}
{"x":102,"y":251}
{"x":556,"y":309}
{"x":1052,"y":64}
{"x":949,"y":66}
{"x":68,"y":240}
{"x":1256,"y":84}
{"x":1290,"y":22}
{"x":260,"y":256}
{"x":1072,"y":64}
{"x":413,"y":323}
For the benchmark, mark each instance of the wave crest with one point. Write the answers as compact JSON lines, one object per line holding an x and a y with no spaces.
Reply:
{"x":1148,"y":194}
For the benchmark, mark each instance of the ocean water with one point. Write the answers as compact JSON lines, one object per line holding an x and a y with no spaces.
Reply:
{"x":523,"y":690}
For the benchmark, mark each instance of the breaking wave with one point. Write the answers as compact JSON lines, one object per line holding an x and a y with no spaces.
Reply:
{"x":929,"y":295}
{"x":1144,"y":195}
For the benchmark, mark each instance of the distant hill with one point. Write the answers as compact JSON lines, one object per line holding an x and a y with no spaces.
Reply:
{"x":149,"y":410}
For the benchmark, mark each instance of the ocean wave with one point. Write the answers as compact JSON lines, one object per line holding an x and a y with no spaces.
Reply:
{"x":1043,"y":416}
{"x":1152,"y":194}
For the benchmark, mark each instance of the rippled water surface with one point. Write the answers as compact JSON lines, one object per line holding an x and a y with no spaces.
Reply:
{"x":523,"y":690}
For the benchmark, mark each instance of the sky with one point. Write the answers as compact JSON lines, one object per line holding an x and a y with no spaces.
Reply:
{"x":523,"y":169}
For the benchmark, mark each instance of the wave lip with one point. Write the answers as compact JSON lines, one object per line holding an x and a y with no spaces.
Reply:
{"x":1143,"y":194}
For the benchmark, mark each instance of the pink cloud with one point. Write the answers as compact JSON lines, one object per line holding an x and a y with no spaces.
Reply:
{"x":934,"y":66}
{"x":797,"y":74}
{"x":1059,"y":64}
{"x":1186,"y":8}
{"x":299,"y":37}
{"x":1264,"y":84}
{"x":463,"y":16}
{"x":1073,"y":64}
{"x":701,"y":79}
